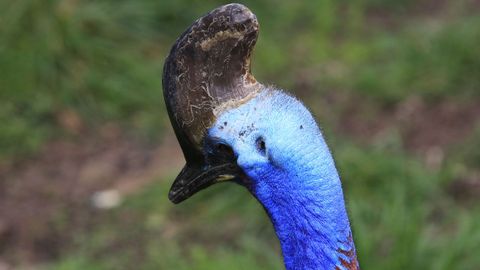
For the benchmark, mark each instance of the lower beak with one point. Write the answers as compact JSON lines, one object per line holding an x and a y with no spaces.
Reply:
{"x":195,"y":178}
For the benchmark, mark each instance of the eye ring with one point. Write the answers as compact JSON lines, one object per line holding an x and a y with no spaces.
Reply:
{"x":261,"y":146}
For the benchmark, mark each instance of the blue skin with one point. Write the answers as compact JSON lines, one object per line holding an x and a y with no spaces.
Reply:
{"x":293,"y":177}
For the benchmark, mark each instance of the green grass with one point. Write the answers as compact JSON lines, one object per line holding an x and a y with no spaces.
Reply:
{"x":431,"y":60}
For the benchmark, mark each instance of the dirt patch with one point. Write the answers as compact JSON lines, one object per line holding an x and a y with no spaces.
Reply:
{"x":429,"y":131}
{"x":420,"y":125}
{"x":466,"y":189}
{"x":442,"y":124}
{"x":42,"y":198}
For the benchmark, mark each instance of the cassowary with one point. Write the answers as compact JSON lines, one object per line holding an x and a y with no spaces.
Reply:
{"x":233,"y":128}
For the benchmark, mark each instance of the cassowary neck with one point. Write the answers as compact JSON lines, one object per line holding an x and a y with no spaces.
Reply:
{"x":295,"y":179}
{"x":311,"y":222}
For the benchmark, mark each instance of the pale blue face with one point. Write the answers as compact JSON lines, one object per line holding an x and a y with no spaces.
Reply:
{"x":276,"y":141}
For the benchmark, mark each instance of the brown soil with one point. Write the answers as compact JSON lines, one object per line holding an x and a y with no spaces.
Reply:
{"x":45,"y":196}
{"x":426,"y":130}
{"x":466,"y":189}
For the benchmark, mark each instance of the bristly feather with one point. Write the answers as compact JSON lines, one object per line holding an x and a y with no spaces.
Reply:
{"x":294,"y":178}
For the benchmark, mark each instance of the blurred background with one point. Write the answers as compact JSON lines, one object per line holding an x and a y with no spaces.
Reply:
{"x":87,"y":154}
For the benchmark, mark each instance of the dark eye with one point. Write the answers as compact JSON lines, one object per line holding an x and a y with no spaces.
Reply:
{"x":261,"y":147}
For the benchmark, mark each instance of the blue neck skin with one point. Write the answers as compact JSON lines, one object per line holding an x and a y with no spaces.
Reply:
{"x":311,"y":224}
{"x":294,"y":178}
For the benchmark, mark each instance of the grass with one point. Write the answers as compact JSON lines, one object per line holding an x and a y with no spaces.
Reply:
{"x":101,"y":61}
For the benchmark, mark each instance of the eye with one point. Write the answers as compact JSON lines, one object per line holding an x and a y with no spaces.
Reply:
{"x":261,"y":146}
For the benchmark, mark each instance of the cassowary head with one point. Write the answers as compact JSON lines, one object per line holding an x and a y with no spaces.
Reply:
{"x":230,"y":126}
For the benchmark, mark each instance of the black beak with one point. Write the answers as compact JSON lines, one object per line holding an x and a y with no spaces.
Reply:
{"x":193,"y":179}
{"x":208,"y":67}
{"x":219,"y":164}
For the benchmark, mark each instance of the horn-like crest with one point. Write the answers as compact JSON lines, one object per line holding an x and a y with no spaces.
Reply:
{"x":208,"y":70}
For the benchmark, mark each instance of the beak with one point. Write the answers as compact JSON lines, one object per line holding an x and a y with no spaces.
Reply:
{"x":194,"y":178}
